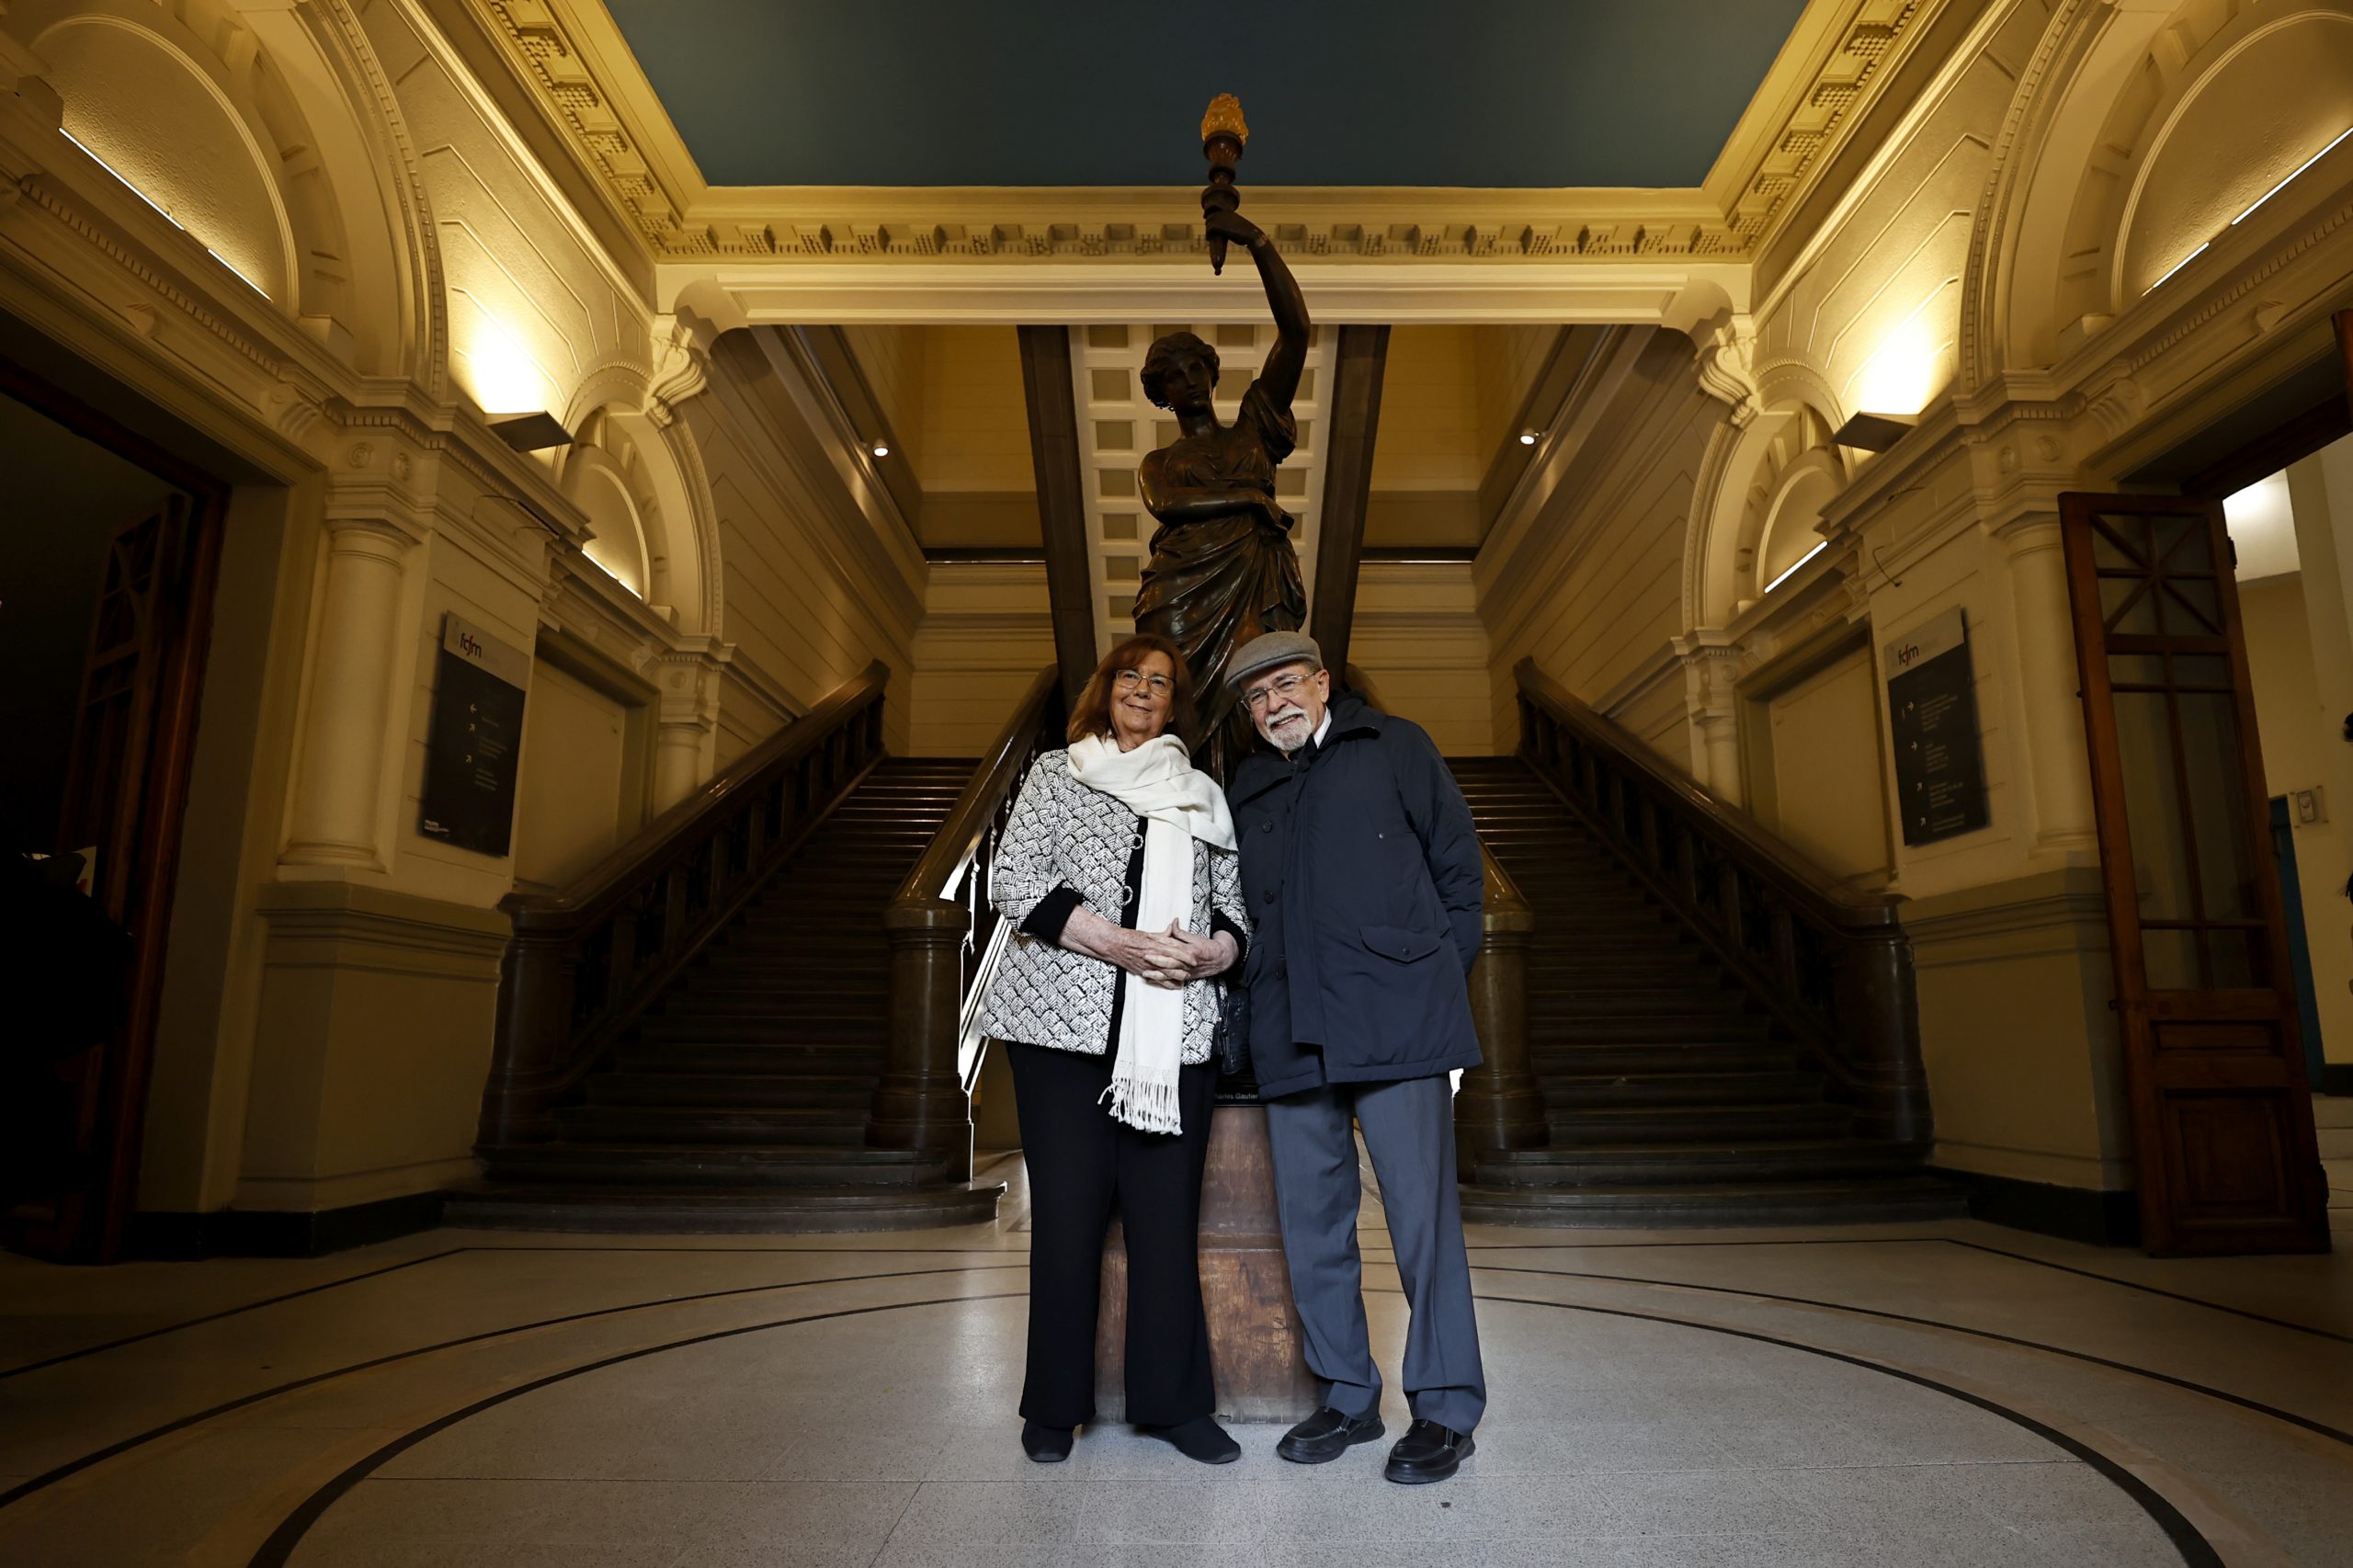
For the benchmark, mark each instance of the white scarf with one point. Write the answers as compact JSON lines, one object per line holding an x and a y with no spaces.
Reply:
{"x":1180,"y":803}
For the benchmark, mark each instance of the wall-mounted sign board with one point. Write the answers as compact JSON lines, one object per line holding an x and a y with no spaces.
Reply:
{"x":473,"y":753}
{"x":1932,"y":711}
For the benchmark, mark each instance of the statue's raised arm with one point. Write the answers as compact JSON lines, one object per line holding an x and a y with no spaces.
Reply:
{"x":1223,"y":568}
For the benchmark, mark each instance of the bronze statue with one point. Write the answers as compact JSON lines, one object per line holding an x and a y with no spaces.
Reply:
{"x":1223,"y":568}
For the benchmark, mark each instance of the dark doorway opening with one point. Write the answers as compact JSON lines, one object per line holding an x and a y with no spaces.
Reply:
{"x":108,"y":563}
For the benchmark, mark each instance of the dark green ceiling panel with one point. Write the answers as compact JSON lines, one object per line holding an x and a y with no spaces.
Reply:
{"x":1513,"y":93}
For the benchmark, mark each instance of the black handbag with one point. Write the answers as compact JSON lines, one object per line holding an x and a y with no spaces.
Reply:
{"x":1231,"y":1043}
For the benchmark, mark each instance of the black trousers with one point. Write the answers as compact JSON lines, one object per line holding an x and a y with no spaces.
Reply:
{"x":1084,"y":1167}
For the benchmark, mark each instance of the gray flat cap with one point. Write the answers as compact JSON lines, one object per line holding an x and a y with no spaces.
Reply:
{"x":1272,"y":650}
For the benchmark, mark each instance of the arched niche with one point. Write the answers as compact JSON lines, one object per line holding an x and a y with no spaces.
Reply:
{"x":1759,"y":519}
{"x":269,"y":136}
{"x":2154,"y":131}
{"x":623,"y":473}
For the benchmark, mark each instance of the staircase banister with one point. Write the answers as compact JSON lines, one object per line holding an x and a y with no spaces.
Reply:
{"x":677,"y":832}
{"x":1734,"y":830}
{"x":998,"y":775}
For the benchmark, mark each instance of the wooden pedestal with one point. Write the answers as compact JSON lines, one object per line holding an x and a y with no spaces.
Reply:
{"x":1255,"y":1344}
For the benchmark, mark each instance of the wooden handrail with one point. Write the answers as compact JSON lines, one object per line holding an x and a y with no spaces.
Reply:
{"x":583,"y":963}
{"x":1797,"y":876}
{"x":1834,"y":967}
{"x":939,"y":926}
{"x":1501,"y":1105}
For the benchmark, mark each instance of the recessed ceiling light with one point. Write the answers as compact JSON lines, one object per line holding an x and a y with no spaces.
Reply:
{"x":1528,"y":437}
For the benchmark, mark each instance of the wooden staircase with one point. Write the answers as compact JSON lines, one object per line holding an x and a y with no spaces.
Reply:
{"x":739,"y":1100}
{"x":1671,"y":1096}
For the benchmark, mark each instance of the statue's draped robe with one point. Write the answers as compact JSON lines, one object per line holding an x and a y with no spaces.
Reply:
{"x":1215,"y":583}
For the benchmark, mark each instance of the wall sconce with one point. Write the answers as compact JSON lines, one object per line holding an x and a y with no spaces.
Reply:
{"x":1874,"y":432}
{"x":532,"y":432}
{"x":1528,"y":437}
{"x":880,"y":449}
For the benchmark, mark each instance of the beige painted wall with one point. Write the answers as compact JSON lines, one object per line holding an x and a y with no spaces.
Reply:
{"x":2025,"y":1069}
{"x":975,"y":422}
{"x":1828,"y":795}
{"x":2299,"y":736}
{"x":572,"y":801}
{"x":1592,"y":588}
{"x":984,"y":636}
{"x":1417,"y":635}
{"x":810,"y":596}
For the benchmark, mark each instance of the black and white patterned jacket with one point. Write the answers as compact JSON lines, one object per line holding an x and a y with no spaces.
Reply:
{"x":1069,"y":845}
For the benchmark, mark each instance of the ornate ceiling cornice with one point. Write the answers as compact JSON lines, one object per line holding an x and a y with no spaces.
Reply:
{"x":573,"y":54}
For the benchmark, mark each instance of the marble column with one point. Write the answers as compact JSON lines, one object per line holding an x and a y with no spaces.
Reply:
{"x":340,"y":774}
{"x":2058,"y":763}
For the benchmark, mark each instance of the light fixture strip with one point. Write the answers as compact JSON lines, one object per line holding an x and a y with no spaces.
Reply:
{"x":159,"y":210}
{"x":1794,"y":565}
{"x":2283,"y":184}
{"x":2177,"y":266}
{"x":120,"y":180}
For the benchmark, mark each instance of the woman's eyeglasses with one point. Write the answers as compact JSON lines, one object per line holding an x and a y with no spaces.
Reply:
{"x":1159,"y":686}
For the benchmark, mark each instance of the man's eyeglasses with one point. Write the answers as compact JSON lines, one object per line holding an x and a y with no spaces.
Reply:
{"x":1128,"y":680}
{"x":1281,"y":686}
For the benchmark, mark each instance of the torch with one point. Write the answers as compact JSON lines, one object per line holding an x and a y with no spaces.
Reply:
{"x":1223,"y":137}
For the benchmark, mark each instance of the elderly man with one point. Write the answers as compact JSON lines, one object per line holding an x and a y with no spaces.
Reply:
{"x":1361,"y":869}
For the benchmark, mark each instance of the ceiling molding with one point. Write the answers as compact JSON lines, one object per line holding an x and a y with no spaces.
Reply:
{"x":575,"y":55}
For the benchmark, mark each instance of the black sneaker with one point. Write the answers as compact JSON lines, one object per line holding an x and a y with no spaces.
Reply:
{"x":1325,"y":1435}
{"x":1427,"y":1452}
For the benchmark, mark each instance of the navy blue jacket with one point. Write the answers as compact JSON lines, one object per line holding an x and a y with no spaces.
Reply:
{"x":1360,"y":868}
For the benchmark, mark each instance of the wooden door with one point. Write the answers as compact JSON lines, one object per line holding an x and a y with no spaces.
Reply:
{"x":125,"y":784}
{"x":2222,"y":1114}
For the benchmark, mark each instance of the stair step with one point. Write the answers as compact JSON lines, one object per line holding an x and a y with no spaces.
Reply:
{"x":1575,"y":1126}
{"x":1569,"y":1063}
{"x":1880,"y":1200}
{"x":618,"y":1210}
{"x":716,"y":1002}
{"x":844,"y":1090}
{"x":1749,"y":1161}
{"x":1573,"y":1090}
{"x":777,"y":1029}
{"x":832,"y":1126}
{"x":750,"y":1058}
{"x":1701,"y":1028}
{"x":691,"y":1165}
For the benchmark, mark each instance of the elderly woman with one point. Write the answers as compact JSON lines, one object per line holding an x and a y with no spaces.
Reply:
{"x":1118,"y":869}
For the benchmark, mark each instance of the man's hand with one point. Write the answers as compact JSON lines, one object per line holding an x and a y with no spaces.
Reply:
{"x":1233,"y":226}
{"x":1206,"y":955}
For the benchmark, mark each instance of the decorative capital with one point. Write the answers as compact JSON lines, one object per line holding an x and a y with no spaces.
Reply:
{"x":1728,"y":363}
{"x":681,"y":363}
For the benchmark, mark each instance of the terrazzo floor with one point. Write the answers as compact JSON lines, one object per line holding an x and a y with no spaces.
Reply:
{"x":1952,"y":1393}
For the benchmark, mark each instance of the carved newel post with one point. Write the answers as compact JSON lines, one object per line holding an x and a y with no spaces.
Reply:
{"x":1501,"y":1105}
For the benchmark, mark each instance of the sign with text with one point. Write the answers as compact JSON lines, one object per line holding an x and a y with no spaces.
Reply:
{"x":476,"y":744}
{"x":1932,"y":709}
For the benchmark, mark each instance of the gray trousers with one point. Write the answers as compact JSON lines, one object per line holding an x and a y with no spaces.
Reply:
{"x":1409,"y":1130}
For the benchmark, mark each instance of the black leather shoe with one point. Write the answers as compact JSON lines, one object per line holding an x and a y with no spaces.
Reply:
{"x":1325,"y":1435}
{"x":1047,"y":1445}
{"x":1200,"y":1439}
{"x":1427,"y":1452}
